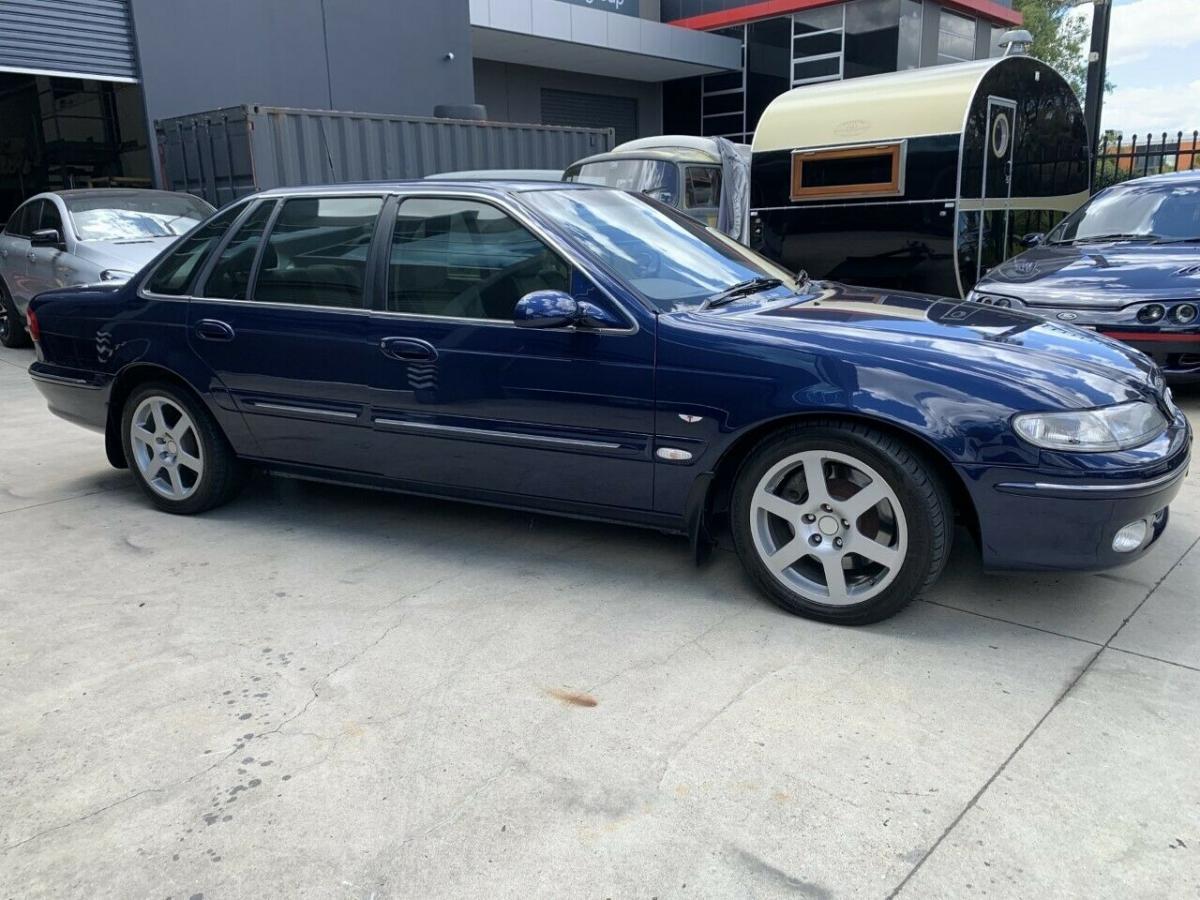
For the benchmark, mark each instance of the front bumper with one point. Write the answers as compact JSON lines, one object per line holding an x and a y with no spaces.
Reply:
{"x":1176,"y":353}
{"x":1055,"y":519}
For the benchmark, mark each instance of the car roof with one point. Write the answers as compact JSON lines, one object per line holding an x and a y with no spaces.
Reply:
{"x":498,"y":187}
{"x":108,"y":192}
{"x":673,"y":154}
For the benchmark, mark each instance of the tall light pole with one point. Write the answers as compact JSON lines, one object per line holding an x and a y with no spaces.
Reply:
{"x":1097,"y":63}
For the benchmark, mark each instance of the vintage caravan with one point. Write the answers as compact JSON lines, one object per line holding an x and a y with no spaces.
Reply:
{"x":921,"y":180}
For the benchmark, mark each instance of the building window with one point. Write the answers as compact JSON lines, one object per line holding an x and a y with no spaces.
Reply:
{"x":818,"y":44}
{"x":956,"y":38}
{"x":873,"y":171}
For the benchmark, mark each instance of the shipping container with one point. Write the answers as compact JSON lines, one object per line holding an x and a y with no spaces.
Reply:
{"x":228,"y":153}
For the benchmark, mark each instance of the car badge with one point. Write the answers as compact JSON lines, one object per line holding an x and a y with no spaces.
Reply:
{"x":1068,"y":316}
{"x":1025,"y":267}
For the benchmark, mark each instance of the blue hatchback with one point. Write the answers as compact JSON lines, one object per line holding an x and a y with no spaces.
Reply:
{"x":589,"y":352}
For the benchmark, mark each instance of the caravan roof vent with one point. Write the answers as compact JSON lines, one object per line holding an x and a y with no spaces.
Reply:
{"x":1015,"y":43}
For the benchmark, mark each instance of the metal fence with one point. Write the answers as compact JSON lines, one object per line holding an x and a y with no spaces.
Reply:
{"x":1118,"y":159}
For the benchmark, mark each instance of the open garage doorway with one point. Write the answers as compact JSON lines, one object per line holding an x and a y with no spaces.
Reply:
{"x":58,"y":132}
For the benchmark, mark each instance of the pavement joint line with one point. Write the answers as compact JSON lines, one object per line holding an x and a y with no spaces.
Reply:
{"x":108,"y":490}
{"x":1168,"y":662}
{"x":971,"y":612}
{"x":1038,"y":724}
{"x":13,"y":364}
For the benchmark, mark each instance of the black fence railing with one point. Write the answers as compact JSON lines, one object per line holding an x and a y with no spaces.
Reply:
{"x":1118,"y":159}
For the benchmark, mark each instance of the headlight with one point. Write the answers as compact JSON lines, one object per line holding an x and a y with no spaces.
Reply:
{"x":993,"y":299}
{"x":115,"y":275}
{"x":1151,"y":313}
{"x":1184,"y":313}
{"x":1093,"y":430}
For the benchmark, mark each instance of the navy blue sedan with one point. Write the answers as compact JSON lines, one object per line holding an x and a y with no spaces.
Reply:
{"x":593,"y":353}
{"x":1126,"y":263}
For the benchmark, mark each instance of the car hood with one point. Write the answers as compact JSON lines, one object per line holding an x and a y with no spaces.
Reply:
{"x":127,"y":255}
{"x":948,"y":341}
{"x":1098,"y":275}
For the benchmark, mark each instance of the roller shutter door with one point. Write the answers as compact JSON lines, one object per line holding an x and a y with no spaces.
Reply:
{"x":83,"y":38}
{"x":582,"y":110}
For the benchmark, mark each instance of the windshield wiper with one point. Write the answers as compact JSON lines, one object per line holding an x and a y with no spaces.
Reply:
{"x":1182,"y":240}
{"x":741,"y":289}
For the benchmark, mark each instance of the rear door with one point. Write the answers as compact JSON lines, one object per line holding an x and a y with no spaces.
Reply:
{"x":463,"y":398}
{"x":282,"y":323}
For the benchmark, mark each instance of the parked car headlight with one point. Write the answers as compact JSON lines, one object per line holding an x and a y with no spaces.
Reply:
{"x":115,"y":275}
{"x":993,"y":299}
{"x":1093,"y":430}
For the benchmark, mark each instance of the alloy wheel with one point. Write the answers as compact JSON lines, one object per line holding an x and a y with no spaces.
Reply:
{"x":829,"y":527}
{"x":166,"y":448}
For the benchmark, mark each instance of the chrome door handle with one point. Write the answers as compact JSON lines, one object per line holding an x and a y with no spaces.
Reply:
{"x":214,"y":330}
{"x":31,"y":256}
{"x":407,"y":349}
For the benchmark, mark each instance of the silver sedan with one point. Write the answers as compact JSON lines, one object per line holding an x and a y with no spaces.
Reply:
{"x":87,"y":236}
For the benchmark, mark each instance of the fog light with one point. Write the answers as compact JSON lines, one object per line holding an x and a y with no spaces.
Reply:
{"x":1130,"y":537}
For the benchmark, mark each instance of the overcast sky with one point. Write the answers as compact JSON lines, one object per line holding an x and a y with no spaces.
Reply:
{"x":1154,"y":61}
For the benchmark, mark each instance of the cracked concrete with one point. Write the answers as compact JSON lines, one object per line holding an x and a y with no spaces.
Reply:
{"x":321,"y":692}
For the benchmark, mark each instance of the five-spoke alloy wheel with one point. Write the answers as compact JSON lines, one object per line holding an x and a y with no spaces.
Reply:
{"x":12,"y":326}
{"x":178,"y":455}
{"x":839,"y":522}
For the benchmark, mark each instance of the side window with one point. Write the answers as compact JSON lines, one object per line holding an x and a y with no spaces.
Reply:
{"x":317,"y":252}
{"x":230,"y":276}
{"x":466,"y":259}
{"x":50,"y":217}
{"x":703,"y":187}
{"x":175,"y":272}
{"x":875,"y":171}
{"x":24,"y":220}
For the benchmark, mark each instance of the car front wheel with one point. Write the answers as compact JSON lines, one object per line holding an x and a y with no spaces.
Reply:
{"x":840,"y":522}
{"x":176,"y":452}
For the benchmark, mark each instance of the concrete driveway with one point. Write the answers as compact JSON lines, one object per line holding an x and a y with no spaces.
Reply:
{"x":324,"y":692}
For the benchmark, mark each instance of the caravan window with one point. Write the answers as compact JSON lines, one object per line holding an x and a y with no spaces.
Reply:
{"x":875,"y":171}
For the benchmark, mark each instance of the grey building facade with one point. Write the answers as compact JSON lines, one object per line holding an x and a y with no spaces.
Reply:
{"x":83,"y":81}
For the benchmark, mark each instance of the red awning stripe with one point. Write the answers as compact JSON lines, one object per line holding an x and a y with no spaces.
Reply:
{"x":765,"y":9}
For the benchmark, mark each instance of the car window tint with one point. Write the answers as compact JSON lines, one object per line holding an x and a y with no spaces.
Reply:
{"x":50,"y":217}
{"x":703,"y":187}
{"x":175,"y":272}
{"x":230,"y":276}
{"x":466,"y":259}
{"x":25,"y":219}
{"x":317,"y":252}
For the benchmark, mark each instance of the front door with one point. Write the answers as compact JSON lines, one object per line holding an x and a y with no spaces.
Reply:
{"x":463,"y":398}
{"x":16,"y":251}
{"x":49,"y":266}
{"x":283,"y":326}
{"x":997,"y":184}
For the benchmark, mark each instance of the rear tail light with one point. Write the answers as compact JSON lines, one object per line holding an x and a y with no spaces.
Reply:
{"x":31,"y":323}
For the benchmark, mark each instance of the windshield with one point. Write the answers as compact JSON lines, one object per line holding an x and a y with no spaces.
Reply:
{"x":672,"y":260}
{"x":630,"y":175}
{"x":135,"y":217}
{"x":1149,"y":211}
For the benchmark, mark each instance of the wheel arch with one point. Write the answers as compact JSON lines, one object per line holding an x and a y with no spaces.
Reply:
{"x":126,"y":382}
{"x":708,"y":518}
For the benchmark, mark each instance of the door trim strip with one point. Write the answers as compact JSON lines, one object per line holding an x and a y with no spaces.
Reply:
{"x":488,"y":433}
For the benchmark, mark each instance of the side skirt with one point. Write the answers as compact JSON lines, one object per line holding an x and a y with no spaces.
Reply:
{"x":564,"y":508}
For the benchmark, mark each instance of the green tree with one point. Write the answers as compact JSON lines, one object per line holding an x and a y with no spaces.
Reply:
{"x":1059,"y":38}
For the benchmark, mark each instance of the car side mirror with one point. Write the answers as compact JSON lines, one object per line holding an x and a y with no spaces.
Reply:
{"x":546,"y":309}
{"x":46,"y":237}
{"x":1032,"y":239}
{"x":558,"y":309}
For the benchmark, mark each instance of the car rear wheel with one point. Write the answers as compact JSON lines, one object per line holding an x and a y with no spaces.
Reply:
{"x":176,"y":452}
{"x":12,"y":326}
{"x":840,"y":522}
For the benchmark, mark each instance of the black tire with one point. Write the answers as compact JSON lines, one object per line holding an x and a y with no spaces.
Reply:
{"x":222,"y":474}
{"x":925,"y":522}
{"x":12,"y":324}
